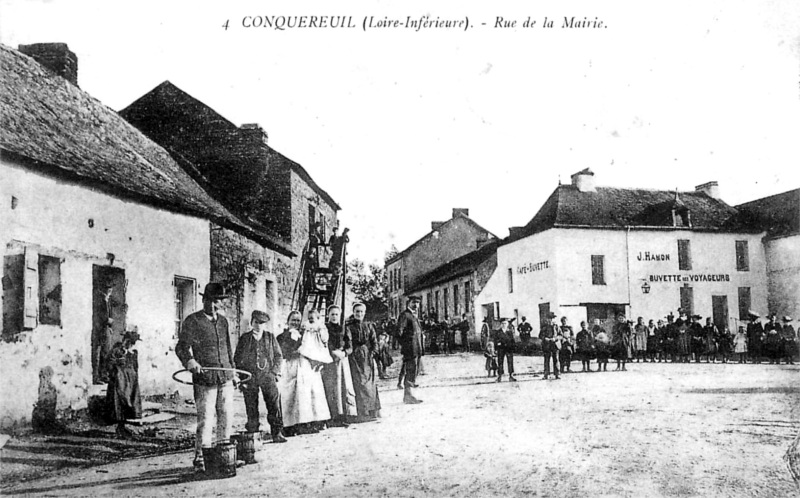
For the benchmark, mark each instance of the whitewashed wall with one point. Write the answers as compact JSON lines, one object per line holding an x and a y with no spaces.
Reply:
{"x":566,"y":283}
{"x":151,"y":245}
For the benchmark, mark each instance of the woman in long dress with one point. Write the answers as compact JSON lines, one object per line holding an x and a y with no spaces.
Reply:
{"x":336,"y":375}
{"x":302,"y":392}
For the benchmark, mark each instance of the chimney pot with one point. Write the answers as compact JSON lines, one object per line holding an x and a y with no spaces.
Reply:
{"x":254,"y":131}
{"x":57,"y":57}
{"x":711,"y":189}
{"x":584,"y":180}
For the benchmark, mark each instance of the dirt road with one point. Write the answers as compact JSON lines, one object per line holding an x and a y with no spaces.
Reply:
{"x":656,"y":430}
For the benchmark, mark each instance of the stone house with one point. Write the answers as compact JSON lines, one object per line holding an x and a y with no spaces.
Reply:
{"x":449,"y":290}
{"x":779,"y":215}
{"x":102,"y":232}
{"x":447,"y":241}
{"x":257,"y":183}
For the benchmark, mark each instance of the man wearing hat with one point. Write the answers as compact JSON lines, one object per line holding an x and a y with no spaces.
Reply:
{"x":773,"y":340}
{"x":505,"y":345}
{"x":259,"y":353}
{"x":549,"y":334}
{"x":410,"y":334}
{"x":789,"y":340}
{"x":203,"y":342}
{"x":755,"y":337}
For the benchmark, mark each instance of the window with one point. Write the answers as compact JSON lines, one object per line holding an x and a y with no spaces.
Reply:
{"x":312,"y":217}
{"x":446,"y":298}
{"x":742,"y":256}
{"x":510,"y":280}
{"x":687,"y":300}
{"x":684,"y":255}
{"x":436,"y":305}
{"x":467,"y":296}
{"x":744,"y":303}
{"x":185,"y":301}
{"x":31,"y":291}
{"x":455,"y":300}
{"x":430,"y":302}
{"x":322,"y":229}
{"x":49,"y":290}
{"x":598,"y":270}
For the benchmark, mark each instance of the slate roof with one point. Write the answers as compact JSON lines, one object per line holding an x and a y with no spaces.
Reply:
{"x":618,"y":208}
{"x":778,"y":214}
{"x":458,"y":267}
{"x":430,"y":234}
{"x":52,"y":126}
{"x":183,"y":123}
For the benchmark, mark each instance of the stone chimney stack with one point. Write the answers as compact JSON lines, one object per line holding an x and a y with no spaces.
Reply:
{"x":711,"y":189}
{"x":514,"y":231}
{"x":584,"y":180}
{"x":435,"y":225}
{"x":460,"y":212}
{"x":253,"y":132}
{"x":56,"y":57}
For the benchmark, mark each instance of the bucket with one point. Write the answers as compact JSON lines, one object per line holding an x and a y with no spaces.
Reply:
{"x":246,"y":446}
{"x":223,"y":464}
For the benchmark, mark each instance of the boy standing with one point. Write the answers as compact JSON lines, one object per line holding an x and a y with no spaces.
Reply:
{"x":259,"y":353}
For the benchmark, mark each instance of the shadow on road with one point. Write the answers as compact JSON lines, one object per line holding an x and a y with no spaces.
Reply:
{"x":161,"y":477}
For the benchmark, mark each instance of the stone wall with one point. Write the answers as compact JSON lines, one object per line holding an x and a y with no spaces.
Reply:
{"x":256,"y":278}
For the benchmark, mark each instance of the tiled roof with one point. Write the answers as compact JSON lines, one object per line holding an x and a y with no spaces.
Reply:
{"x":402,"y":253}
{"x":460,"y":266}
{"x":52,"y":125}
{"x":608,"y":207}
{"x":778,"y":214}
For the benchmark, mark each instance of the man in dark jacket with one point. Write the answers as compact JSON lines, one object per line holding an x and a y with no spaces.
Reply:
{"x":258,"y":352}
{"x":463,"y":328}
{"x":505,"y":345}
{"x":204,"y":348}
{"x":755,"y":337}
{"x":549,"y":334}
{"x":409,"y":333}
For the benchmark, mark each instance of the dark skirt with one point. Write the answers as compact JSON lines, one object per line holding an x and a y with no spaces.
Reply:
{"x":362,"y":369}
{"x":124,"y":399}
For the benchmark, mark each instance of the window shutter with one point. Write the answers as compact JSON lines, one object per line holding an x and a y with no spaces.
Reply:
{"x":30,"y":285}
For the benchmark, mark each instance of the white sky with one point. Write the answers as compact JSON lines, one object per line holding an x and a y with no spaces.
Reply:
{"x":401,"y":126}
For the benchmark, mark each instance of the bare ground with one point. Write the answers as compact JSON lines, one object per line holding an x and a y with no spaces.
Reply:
{"x":656,"y":430}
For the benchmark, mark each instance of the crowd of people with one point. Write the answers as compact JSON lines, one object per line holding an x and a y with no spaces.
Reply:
{"x":312,"y":375}
{"x":680,"y":340}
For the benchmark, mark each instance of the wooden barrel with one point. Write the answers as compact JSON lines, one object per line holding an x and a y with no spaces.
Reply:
{"x":225,"y":460}
{"x":246,"y":446}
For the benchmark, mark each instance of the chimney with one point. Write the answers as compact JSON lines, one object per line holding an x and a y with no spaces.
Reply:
{"x":584,"y":180}
{"x":460,"y":212}
{"x":711,"y":189}
{"x":435,"y":225}
{"x":513,"y":232}
{"x":254,"y":132}
{"x":57,"y":57}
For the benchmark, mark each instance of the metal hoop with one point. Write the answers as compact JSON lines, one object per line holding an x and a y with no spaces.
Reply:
{"x":235,"y":370}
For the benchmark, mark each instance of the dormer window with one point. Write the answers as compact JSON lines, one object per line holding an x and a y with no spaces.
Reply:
{"x":681,"y":217}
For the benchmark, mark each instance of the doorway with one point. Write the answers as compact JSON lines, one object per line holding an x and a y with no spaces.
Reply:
{"x":719,"y":307}
{"x":109,"y":310}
